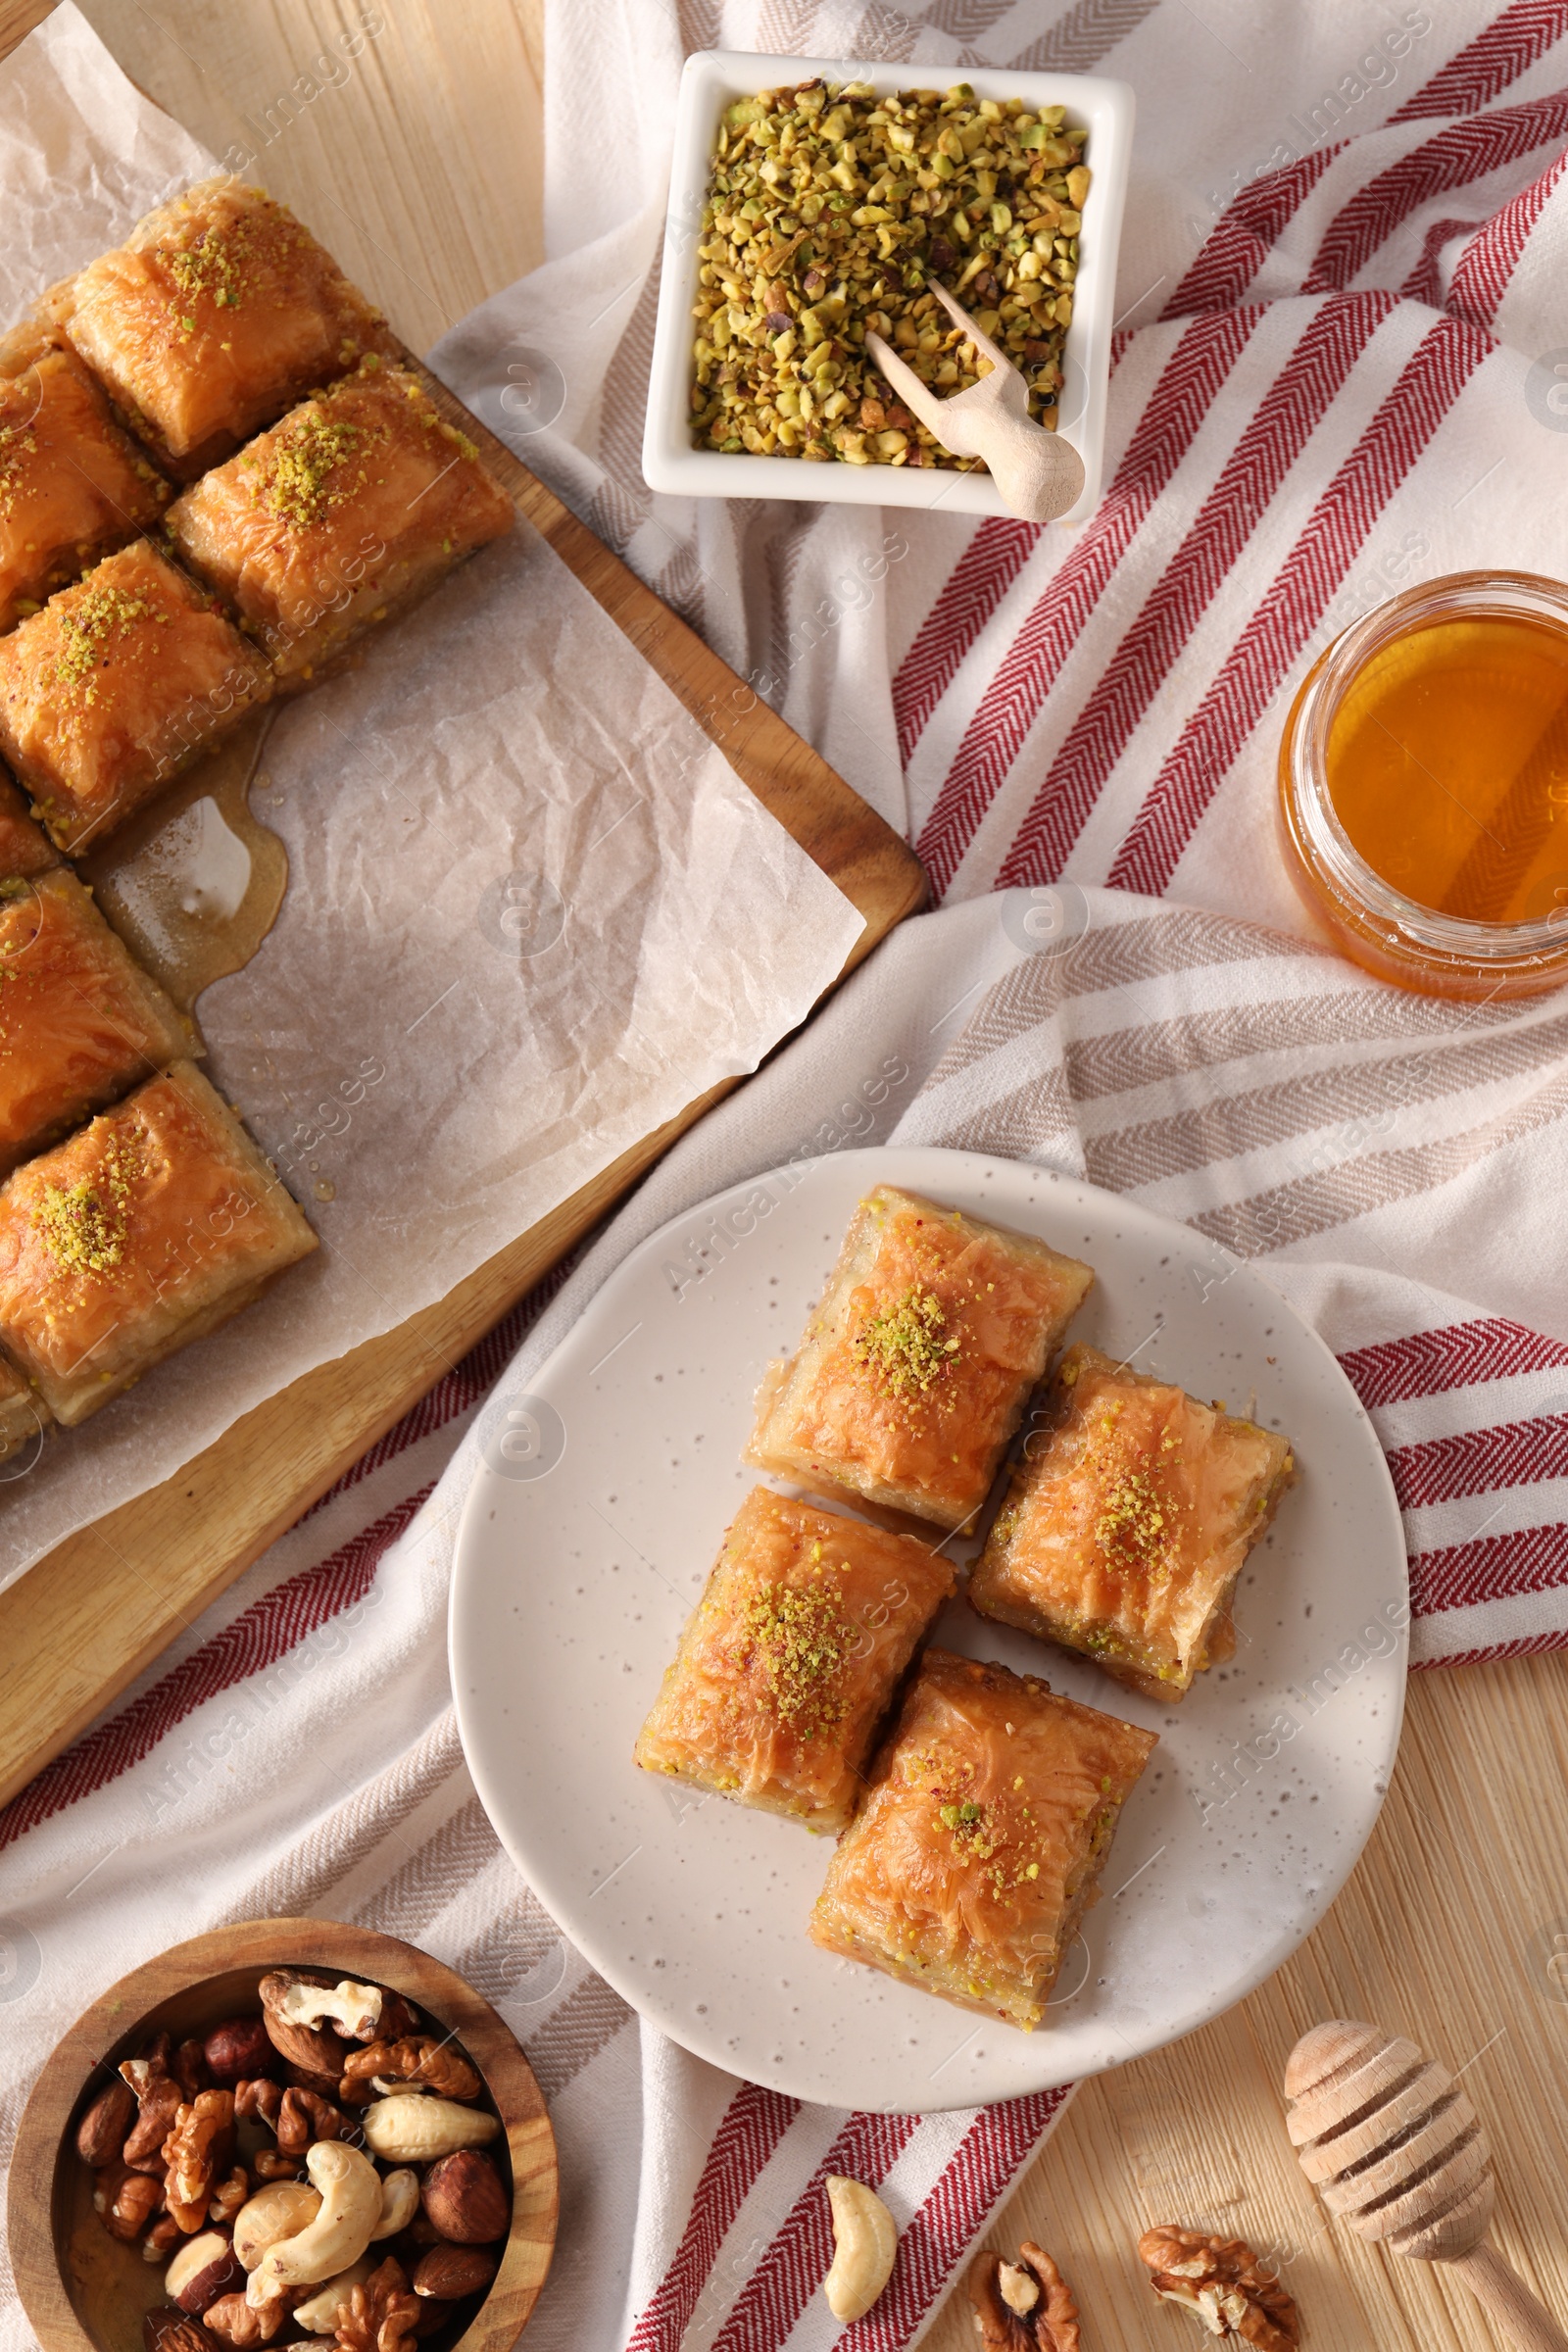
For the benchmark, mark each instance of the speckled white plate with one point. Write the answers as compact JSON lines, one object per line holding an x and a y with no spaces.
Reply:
{"x":589,"y":1533}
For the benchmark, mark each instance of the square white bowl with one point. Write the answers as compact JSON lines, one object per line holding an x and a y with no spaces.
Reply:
{"x":712,"y":80}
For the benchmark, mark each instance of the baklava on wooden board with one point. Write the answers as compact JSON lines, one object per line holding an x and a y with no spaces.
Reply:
{"x":145,"y":1231}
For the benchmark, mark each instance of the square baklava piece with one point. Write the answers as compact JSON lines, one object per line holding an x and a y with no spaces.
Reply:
{"x":915,"y":1370}
{"x":1127,"y":1523}
{"x":981,"y":1840}
{"x":81,"y":1023}
{"x":217,"y":313}
{"x":72,"y":487}
{"x":791,"y":1659}
{"x":117,"y":685}
{"x":344,"y":515}
{"x":142,"y":1232}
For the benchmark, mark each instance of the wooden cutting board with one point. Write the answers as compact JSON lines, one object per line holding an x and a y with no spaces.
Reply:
{"x":85,"y":1620}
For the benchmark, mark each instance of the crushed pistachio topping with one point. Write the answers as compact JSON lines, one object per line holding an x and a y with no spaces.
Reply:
{"x":84,"y":1225}
{"x":212,"y":263}
{"x":309,"y":468}
{"x":97,"y":612}
{"x":903,"y":1345}
{"x":831,"y":212}
{"x":800,"y":1637}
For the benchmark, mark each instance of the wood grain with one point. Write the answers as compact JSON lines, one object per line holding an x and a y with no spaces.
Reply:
{"x":84,"y":2294}
{"x":88,"y":1617}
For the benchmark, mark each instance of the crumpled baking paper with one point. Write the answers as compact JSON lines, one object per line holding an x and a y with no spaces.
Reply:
{"x":532,"y":911}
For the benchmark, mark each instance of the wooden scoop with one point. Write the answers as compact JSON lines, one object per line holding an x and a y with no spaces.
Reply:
{"x":1397,"y":2149}
{"x":1038,"y":474}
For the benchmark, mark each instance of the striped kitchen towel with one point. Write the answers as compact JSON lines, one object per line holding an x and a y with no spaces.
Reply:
{"x":1339,"y":371}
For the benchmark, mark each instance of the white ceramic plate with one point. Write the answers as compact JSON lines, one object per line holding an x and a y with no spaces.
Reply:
{"x":589,"y":1533}
{"x":712,"y":80}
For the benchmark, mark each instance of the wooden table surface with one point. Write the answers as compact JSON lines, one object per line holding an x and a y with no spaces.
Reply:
{"x":423,"y":170}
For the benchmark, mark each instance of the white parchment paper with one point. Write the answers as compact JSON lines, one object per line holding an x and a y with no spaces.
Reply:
{"x":532,"y":912}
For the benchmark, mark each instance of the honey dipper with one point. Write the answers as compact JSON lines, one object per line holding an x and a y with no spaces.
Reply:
{"x":1397,"y":2150}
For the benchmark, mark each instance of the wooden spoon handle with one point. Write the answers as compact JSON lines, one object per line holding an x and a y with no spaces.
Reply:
{"x":1038,"y":473}
{"x":1504,"y":2297}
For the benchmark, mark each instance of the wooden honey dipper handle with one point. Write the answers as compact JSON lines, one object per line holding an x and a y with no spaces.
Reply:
{"x":1398,"y":2151}
{"x":1505,"y":2299}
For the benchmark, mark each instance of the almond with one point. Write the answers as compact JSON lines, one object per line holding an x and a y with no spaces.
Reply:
{"x":102,"y":2132}
{"x":465,"y":2198}
{"x":450,"y":2273}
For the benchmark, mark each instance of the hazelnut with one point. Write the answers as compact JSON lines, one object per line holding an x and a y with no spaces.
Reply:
{"x":451,"y":2272}
{"x":101,"y":2133}
{"x":464,"y":2197}
{"x":238,"y":2048}
{"x":205,"y":2267}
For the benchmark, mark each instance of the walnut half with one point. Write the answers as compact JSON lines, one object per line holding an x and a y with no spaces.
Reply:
{"x":1022,"y":2306}
{"x":1221,"y":2282}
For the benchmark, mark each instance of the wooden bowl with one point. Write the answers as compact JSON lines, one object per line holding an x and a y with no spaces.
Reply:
{"x":85,"y":2292}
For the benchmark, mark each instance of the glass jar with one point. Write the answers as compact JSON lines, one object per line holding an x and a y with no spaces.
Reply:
{"x":1442,"y":650}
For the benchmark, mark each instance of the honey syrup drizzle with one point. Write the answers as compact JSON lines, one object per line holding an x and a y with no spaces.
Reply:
{"x":1448,"y":765}
{"x":193,"y":884}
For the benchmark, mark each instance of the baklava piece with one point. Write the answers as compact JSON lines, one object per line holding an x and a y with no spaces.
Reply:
{"x":981,"y":1840}
{"x":914,"y":1369}
{"x":791,"y":1658}
{"x":217,"y":313}
{"x":345,"y":513}
{"x":25,"y":849}
{"x":72,"y":486}
{"x":117,"y":685}
{"x":80,"y":1023}
{"x":24,"y":1415}
{"x":1124,"y":1533}
{"x":143,"y":1232}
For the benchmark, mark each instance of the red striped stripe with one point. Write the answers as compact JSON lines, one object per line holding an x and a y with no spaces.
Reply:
{"x":1481,"y":1461}
{"x":1508,"y":47}
{"x":999,"y":2141}
{"x":1467,"y":151}
{"x":797,"y":2261}
{"x":1425,"y":281}
{"x":1427,"y":389}
{"x":1528,"y":1646}
{"x":256,"y":1639}
{"x":1465,"y":1576}
{"x":1336,"y":336}
{"x":1459,"y":1356}
{"x":1483,"y":270}
{"x":1202,"y":361}
{"x":1236,"y":251}
{"x":754,"y":2124}
{"x":980,"y":579}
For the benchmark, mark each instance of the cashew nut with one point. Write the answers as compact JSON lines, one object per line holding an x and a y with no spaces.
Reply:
{"x":414,"y":2129}
{"x":280,"y":2210}
{"x":355,"y":2009}
{"x":865,"y":2241}
{"x":399,"y":2202}
{"x":351,"y":2207}
{"x":320,"y":2312}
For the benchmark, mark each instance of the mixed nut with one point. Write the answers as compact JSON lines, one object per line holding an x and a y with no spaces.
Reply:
{"x":830,"y":212}
{"x":317,"y":2171}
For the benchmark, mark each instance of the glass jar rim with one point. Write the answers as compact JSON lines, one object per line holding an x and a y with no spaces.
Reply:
{"x":1468,"y":595}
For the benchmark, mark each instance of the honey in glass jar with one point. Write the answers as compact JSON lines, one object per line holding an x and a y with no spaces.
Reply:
{"x":1424,"y":786}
